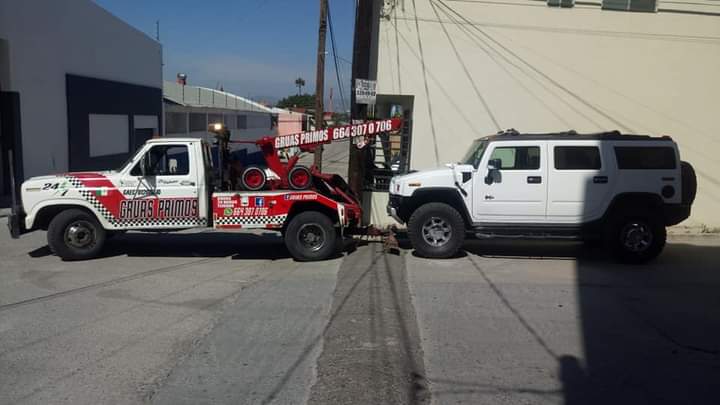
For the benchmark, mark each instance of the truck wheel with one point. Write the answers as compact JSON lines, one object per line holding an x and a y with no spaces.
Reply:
{"x":253,"y":178}
{"x":310,"y":235}
{"x":436,"y":230}
{"x":75,"y":235}
{"x":636,"y":240}
{"x":299,"y":178}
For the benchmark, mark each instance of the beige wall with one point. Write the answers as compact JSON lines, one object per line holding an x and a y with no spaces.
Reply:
{"x":546,"y":69}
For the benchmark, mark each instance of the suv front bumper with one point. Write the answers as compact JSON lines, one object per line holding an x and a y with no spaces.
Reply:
{"x":393,"y":207}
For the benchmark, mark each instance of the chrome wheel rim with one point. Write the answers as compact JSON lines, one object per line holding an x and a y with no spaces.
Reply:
{"x":636,"y":237}
{"x":80,"y":235}
{"x":436,"y":232}
{"x":312,"y":236}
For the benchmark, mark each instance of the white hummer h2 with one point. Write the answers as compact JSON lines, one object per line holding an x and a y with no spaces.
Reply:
{"x":620,"y":189}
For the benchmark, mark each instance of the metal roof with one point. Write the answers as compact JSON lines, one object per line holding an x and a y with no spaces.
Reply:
{"x":196,"y":96}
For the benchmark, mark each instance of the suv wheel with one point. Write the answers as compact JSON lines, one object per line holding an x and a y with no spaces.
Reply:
{"x":637,"y":240}
{"x":75,"y":235}
{"x":310,"y":235}
{"x":436,"y":230}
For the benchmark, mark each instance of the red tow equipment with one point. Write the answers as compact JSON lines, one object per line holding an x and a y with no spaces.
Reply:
{"x":296,"y":177}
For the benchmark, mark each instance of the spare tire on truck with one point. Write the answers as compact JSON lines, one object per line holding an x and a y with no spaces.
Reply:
{"x":689,"y":183}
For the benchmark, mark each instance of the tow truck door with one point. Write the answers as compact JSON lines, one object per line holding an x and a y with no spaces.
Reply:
{"x":165,"y":193}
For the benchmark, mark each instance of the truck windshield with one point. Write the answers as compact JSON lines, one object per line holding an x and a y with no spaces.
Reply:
{"x":474,"y":153}
{"x":129,"y":159}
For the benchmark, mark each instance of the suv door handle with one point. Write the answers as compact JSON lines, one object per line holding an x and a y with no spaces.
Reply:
{"x":534,"y":179}
{"x":600,"y":179}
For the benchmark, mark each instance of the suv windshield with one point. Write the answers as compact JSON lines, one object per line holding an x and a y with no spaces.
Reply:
{"x":474,"y":153}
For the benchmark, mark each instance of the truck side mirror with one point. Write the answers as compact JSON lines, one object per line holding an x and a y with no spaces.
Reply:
{"x":144,"y":165}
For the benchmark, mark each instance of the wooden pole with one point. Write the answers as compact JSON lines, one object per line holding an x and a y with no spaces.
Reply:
{"x":320,"y":79}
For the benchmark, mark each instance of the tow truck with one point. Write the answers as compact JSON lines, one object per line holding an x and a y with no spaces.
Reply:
{"x":172,"y":184}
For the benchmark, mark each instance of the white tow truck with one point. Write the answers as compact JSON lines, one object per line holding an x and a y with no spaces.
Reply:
{"x":171,"y":184}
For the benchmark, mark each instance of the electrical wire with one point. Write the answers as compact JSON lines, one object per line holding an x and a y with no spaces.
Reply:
{"x":335,"y":58}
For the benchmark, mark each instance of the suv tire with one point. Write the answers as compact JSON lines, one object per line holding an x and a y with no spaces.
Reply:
{"x":635,"y":239}
{"x":436,"y":230}
{"x":76,"y":235}
{"x":310,"y":236}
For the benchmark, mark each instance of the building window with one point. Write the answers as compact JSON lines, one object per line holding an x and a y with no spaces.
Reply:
{"x":215,"y":118}
{"x":649,"y":6}
{"x":198,"y":122}
{"x":517,"y":157}
{"x":108,"y":134}
{"x":230,"y":121}
{"x":645,"y":157}
{"x":242,"y":121}
{"x":176,"y":122}
{"x":577,"y":158}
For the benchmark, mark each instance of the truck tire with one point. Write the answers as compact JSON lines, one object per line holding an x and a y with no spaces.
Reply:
{"x":436,"y":230}
{"x":689,"y":183}
{"x":636,"y":239}
{"x":75,"y":234}
{"x":311,"y":236}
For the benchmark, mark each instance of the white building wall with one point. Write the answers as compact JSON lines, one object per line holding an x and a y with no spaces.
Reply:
{"x":548,"y":69}
{"x":46,"y":40}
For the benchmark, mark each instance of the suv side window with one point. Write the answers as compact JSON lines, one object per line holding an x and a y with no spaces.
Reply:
{"x":645,"y":157}
{"x":165,"y":160}
{"x":518,"y":157}
{"x":577,"y":158}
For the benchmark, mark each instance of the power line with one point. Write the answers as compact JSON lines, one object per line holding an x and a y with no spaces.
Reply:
{"x":539,"y":72}
{"x":467,"y":72}
{"x":427,"y":89}
{"x":335,"y":58}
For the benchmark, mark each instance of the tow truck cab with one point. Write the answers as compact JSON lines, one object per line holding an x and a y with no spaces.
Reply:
{"x":170,"y":184}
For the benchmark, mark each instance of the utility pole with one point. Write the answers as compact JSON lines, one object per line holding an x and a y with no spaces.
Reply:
{"x":320,"y":79}
{"x":360,"y":70}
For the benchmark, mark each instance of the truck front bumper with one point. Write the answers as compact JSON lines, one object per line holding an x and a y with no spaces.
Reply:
{"x":16,"y":224}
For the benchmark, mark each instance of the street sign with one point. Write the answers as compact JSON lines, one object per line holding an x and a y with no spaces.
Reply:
{"x":365,"y":91}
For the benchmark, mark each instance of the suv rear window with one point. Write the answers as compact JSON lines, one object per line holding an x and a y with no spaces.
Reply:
{"x":645,"y":157}
{"x":577,"y":158}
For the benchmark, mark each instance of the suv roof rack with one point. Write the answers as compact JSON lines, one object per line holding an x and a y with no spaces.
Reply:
{"x":614,"y":135}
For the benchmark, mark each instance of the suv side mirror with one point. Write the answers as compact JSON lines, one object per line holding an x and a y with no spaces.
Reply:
{"x":494,"y":166}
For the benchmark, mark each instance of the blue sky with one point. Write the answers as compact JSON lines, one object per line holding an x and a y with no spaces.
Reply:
{"x":253,"y":48}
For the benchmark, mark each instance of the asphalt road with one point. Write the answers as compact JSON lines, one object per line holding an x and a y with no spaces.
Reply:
{"x":230,"y":318}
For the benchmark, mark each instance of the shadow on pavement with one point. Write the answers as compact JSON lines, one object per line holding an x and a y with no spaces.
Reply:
{"x":650,"y":333}
{"x":239,"y":246}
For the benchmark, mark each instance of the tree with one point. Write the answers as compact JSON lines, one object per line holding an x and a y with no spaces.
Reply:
{"x":300,"y":101}
{"x":299,"y":82}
